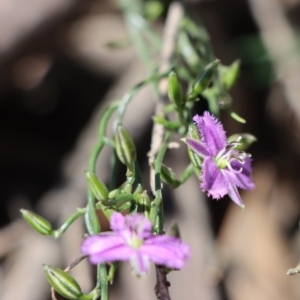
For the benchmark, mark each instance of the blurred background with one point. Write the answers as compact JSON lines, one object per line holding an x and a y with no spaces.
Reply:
{"x":57,"y":75}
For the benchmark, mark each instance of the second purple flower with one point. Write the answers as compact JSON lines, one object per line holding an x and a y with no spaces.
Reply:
{"x":131,"y":239}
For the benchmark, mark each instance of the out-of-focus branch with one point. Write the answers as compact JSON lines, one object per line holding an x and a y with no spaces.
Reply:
{"x":279,"y":39}
{"x":169,"y":39}
{"x":175,"y":14}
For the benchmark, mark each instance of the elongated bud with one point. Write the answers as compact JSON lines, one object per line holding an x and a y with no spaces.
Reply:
{"x":244,"y":140}
{"x":194,"y":158}
{"x":62,"y":282}
{"x":205,"y":78}
{"x":229,"y":74}
{"x":193,"y":132}
{"x":118,"y":199}
{"x":138,"y":189}
{"x":97,"y":187}
{"x":144,"y":202}
{"x":91,"y":220}
{"x":168,"y":176}
{"x":175,"y":91}
{"x":37,"y":222}
{"x":112,"y":194}
{"x":125,"y":148}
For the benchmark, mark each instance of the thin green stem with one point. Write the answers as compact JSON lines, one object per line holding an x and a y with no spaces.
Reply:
{"x":129,"y":95}
{"x":102,"y":279}
{"x":188,"y":172}
{"x":62,"y":229}
{"x":91,"y":217}
{"x":155,"y":205}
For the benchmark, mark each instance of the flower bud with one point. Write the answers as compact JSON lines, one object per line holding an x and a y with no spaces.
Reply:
{"x":112,"y":194}
{"x":168,"y":176}
{"x":175,"y":91}
{"x":92,"y":220}
{"x":97,"y":187}
{"x":245,"y":140}
{"x":229,"y":74}
{"x":37,"y":222}
{"x":138,"y":189}
{"x":193,"y":132}
{"x":205,"y":78}
{"x":118,"y":199}
{"x":125,"y":148}
{"x":194,"y":158}
{"x":62,"y":282}
{"x":144,"y":202}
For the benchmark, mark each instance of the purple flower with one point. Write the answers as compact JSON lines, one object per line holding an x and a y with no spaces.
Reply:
{"x":132,"y":240}
{"x":223,"y":168}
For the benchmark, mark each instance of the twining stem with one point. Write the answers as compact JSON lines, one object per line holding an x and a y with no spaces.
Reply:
{"x":129,"y":95}
{"x":62,"y":229}
{"x":188,"y":172}
{"x":91,"y":218}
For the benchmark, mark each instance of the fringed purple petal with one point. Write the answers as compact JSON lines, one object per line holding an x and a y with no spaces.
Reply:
{"x":213,"y":180}
{"x":198,"y":147}
{"x":98,"y":243}
{"x":233,"y":192}
{"x":117,"y":222}
{"x":140,"y":263}
{"x":118,"y":253}
{"x":242,"y":180}
{"x":170,"y":243}
{"x":170,"y":253}
{"x":212,"y":132}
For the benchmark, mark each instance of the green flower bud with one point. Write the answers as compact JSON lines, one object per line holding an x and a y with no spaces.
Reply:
{"x":205,"y":78}
{"x":92,"y":220}
{"x":97,"y":187}
{"x":138,"y":189}
{"x":168,"y":176}
{"x":245,"y":140}
{"x":194,"y":158}
{"x":118,"y":199}
{"x":144,"y":202}
{"x":193,"y":132}
{"x":229,"y":74}
{"x":125,"y":148}
{"x":62,"y":282}
{"x":175,"y":91}
{"x":112,"y":194}
{"x":37,"y":222}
